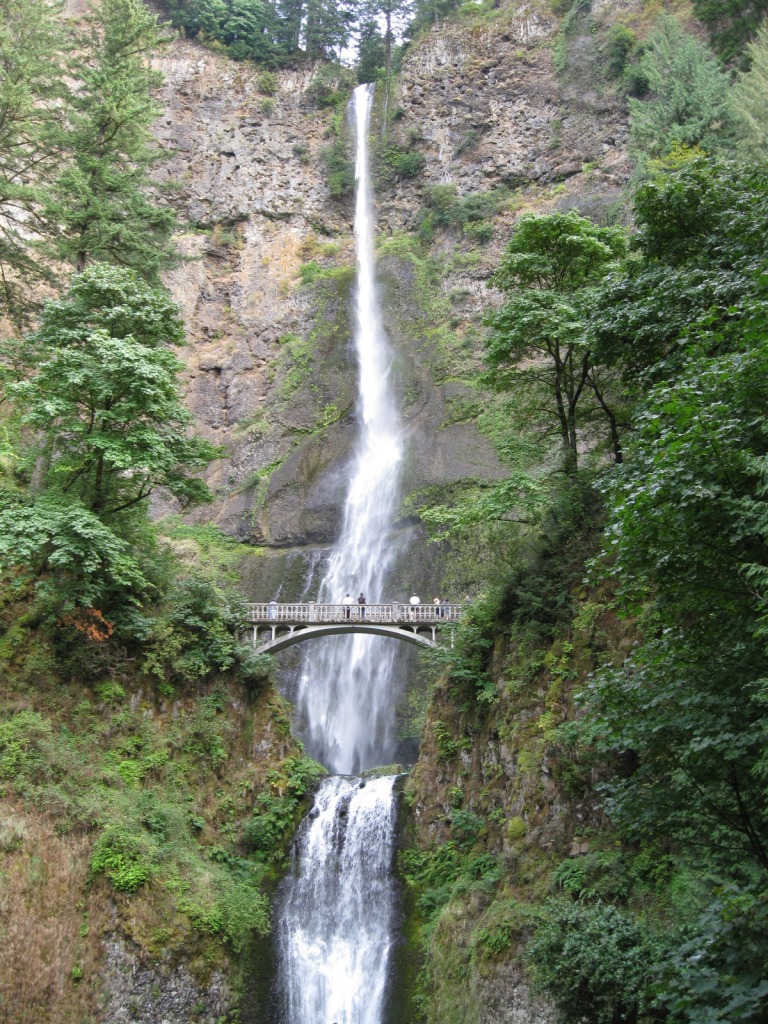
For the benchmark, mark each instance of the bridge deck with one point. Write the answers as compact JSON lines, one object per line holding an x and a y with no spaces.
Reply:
{"x":395,"y":612}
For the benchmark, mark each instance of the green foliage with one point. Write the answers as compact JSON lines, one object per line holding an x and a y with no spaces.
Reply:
{"x":371,"y":51}
{"x":688,"y":102}
{"x":686,"y":512}
{"x":684,"y":716}
{"x":445,"y":872}
{"x":620,"y":43}
{"x":596,"y":963}
{"x":339,"y":168}
{"x":101,"y":201}
{"x":395,"y":162}
{"x":193,"y":634}
{"x":71,"y":556}
{"x":137,"y":783}
{"x":249,"y":29}
{"x":268,"y":83}
{"x":24,"y":745}
{"x":330,"y":86}
{"x":468,"y":214}
{"x":549,"y":270}
{"x":118,"y":855}
{"x":277,"y":810}
{"x":32,"y":87}
{"x":717,"y":975}
{"x":105,"y":399}
{"x":516,"y":828}
{"x":234,"y":907}
{"x":466,"y":662}
{"x":701,"y":237}
{"x":749,"y":101}
{"x":466,"y":829}
{"x":731,"y":23}
{"x":107,"y":427}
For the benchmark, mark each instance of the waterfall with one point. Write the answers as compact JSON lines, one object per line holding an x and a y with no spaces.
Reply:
{"x":336,"y":924}
{"x":336,"y":918}
{"x":345,"y":700}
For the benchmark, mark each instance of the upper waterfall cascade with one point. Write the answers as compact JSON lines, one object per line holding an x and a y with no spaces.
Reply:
{"x":335,"y":930}
{"x":341,"y":728}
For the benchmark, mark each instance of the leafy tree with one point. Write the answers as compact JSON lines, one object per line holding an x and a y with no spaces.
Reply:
{"x":700,"y":243}
{"x":105,"y":399}
{"x":31,"y":91}
{"x":688,"y":102}
{"x":249,"y":30}
{"x":731,"y":23}
{"x":549,"y":270}
{"x":687,"y":528}
{"x":72,"y":557}
{"x":102,"y":200}
{"x":428,"y":13}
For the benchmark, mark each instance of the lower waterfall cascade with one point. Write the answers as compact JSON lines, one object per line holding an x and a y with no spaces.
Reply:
{"x":335,"y":924}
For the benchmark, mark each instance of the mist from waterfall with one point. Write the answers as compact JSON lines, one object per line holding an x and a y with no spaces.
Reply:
{"x":345,"y":699}
{"x":335,"y":925}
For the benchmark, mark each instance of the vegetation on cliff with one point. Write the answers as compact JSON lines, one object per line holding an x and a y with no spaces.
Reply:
{"x":656,"y":749}
{"x":146,"y":763}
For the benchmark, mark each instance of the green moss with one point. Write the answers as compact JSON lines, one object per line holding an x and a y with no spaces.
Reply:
{"x":516,"y":828}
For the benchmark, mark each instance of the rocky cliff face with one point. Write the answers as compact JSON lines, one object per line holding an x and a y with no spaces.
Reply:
{"x":270,"y":375}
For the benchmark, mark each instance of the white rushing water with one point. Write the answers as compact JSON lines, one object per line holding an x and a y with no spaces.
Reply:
{"x":345,"y":699}
{"x":335,"y":925}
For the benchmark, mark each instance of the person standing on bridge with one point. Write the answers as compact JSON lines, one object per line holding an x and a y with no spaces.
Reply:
{"x":414,"y":602}
{"x":347,"y":600}
{"x":361,"y":602}
{"x":272,"y":609}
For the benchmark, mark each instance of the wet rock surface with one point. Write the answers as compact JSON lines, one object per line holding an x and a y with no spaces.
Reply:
{"x":140,"y":993}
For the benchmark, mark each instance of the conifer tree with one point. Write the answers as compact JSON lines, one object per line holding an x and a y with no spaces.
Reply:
{"x":31,"y":87}
{"x":393,"y":15}
{"x":327,"y":27}
{"x":688,"y":101}
{"x":103,"y":202}
{"x":749,"y":101}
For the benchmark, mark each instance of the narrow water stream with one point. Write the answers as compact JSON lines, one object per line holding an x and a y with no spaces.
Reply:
{"x":335,"y":922}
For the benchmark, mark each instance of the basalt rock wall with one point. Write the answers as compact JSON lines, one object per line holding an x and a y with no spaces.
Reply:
{"x":271,"y":376}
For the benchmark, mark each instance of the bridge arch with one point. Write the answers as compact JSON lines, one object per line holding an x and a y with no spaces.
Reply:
{"x":266,"y":642}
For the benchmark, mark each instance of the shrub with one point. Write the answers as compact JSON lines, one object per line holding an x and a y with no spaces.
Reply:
{"x":619,"y":45}
{"x":339,"y":168}
{"x":268,"y":83}
{"x":118,"y":855}
{"x":597,"y":963}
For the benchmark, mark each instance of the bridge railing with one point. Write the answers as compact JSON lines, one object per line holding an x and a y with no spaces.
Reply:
{"x":395,"y":612}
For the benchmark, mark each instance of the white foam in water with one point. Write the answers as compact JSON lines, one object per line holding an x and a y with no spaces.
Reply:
{"x":335,"y":931}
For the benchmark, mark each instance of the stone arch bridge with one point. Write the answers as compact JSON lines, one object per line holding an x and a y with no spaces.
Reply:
{"x":277,"y":626}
